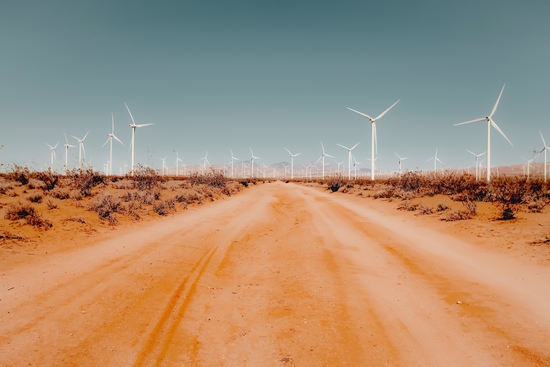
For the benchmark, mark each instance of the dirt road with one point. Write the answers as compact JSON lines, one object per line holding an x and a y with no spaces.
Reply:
{"x":279,"y":275}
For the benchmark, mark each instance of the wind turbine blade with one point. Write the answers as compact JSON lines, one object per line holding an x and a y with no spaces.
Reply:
{"x":132,"y":117}
{"x":84,"y":150}
{"x":297,"y":154}
{"x":143,"y":125}
{"x":288,"y":151}
{"x":403,"y":158}
{"x":118,"y":140}
{"x":500,"y":131}
{"x":342,"y":146}
{"x":436,"y":151}
{"x":542,"y":139}
{"x":472,"y":153}
{"x":328,"y":155}
{"x":75,"y":137}
{"x":397,"y":155}
{"x":231,"y":152}
{"x":469,"y":122}
{"x":251,"y":151}
{"x":439,"y":160}
{"x":318,"y":159}
{"x":498,"y":100}
{"x":56,"y":145}
{"x":383,"y":113}
{"x":49,"y":146}
{"x":113,"y":119}
{"x":106,"y":142}
{"x":71,"y":146}
{"x":429,"y":159}
{"x":322,"y":146}
{"x":361,"y":113}
{"x":67,"y":142}
{"x":85,"y":135}
{"x":355,"y":146}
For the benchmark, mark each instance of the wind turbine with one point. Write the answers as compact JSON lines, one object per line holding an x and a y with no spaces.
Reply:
{"x":400,"y":159}
{"x":490,"y":122}
{"x":374,"y":140}
{"x":67,"y":146}
{"x":355,"y":163}
{"x":133,"y":126}
{"x":110,"y":139}
{"x":163,"y":163}
{"x":544,"y":149}
{"x":477,"y":156}
{"x":323,"y":156}
{"x":435,"y":159}
{"x":528,"y":164}
{"x":232,"y":160}
{"x":204,"y":161}
{"x":80,"y":149}
{"x":292,"y":163}
{"x":125,"y":166}
{"x":252,"y":161}
{"x":375,"y":159}
{"x":349,"y":158}
{"x":53,"y":152}
{"x":177,"y":163}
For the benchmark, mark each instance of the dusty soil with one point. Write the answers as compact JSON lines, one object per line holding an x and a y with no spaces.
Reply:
{"x":284,"y":274}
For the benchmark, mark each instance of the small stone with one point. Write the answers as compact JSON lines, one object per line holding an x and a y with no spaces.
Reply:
{"x":458,"y":302}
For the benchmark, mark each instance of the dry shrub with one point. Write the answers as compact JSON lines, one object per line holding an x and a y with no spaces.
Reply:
{"x":51,"y":205}
{"x":27,"y":212}
{"x":335,"y":184}
{"x":84,"y":181}
{"x":35,"y":198}
{"x":441,"y":207}
{"x":213,"y":179}
{"x":60,"y":193}
{"x":425,"y":210}
{"x":408,"y":206}
{"x":160,"y":208}
{"x":19,"y":174}
{"x":75,"y":219}
{"x":50,"y":179}
{"x":123,"y":185}
{"x":536,"y":206}
{"x":5,"y":235}
{"x":144,"y":178}
{"x":36,"y":184}
{"x":105,"y":205}
{"x":5,"y":187}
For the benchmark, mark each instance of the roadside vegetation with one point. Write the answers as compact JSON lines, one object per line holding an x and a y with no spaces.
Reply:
{"x":510,"y":195}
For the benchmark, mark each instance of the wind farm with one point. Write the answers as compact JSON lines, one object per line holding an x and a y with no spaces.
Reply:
{"x":214,"y":231}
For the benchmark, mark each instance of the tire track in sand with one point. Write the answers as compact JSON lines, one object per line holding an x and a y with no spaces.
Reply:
{"x":161,"y":335}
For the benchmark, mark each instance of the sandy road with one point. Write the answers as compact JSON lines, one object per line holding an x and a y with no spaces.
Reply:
{"x":279,"y":275}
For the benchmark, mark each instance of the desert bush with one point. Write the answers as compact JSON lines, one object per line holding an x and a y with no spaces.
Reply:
{"x":75,"y":219}
{"x":105,"y":205}
{"x":35,"y":184}
{"x":335,"y":184}
{"x":27,"y":212}
{"x":408,"y":206}
{"x":35,"y":198}
{"x":60,"y":193}
{"x":144,"y":178}
{"x":5,"y":187}
{"x":51,"y":205}
{"x":123,"y":185}
{"x":50,"y":179}
{"x":536,"y":206}
{"x":84,"y":181}
{"x":457,"y":215}
{"x":213,"y":179}
{"x":441,"y":207}
{"x":425,"y":210}
{"x":5,"y":235}
{"x":19,"y":174}
{"x":160,"y":208}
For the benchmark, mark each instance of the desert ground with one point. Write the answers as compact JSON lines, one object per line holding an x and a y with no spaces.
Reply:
{"x":277,"y":274}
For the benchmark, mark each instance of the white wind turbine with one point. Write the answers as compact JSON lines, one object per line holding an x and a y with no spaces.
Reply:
{"x":400,"y":159}
{"x":133,"y":126}
{"x":292,"y":163}
{"x":349,"y":158}
{"x":477,"y":156}
{"x":163,"y":163}
{"x":53,"y":152}
{"x":544,"y":149}
{"x":435,"y":159}
{"x":374,"y":165}
{"x":252,"y":161}
{"x":110,"y":139}
{"x":204,"y":161}
{"x":528,"y":165}
{"x":374,"y":140}
{"x":177,"y":163}
{"x":81,"y":149}
{"x":323,"y":156}
{"x":490,"y":122}
{"x":67,"y":146}
{"x":355,"y":164}
{"x":232,"y":160}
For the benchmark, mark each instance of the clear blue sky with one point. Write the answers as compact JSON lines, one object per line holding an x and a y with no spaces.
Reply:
{"x":272,"y":74}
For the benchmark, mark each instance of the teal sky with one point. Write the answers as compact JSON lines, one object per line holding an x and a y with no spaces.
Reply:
{"x":214,"y":75}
